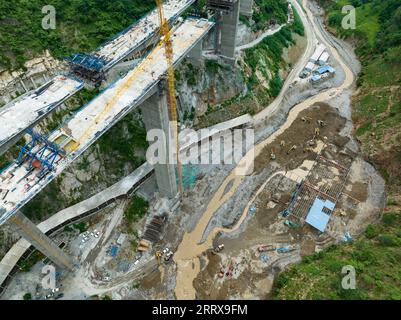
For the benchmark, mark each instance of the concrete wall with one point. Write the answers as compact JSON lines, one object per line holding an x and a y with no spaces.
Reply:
{"x":229,"y":29}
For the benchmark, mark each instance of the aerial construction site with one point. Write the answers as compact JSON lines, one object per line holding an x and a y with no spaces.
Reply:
{"x":255,"y":181}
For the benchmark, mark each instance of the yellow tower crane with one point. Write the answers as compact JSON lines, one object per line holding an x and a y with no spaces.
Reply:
{"x":172,"y":103}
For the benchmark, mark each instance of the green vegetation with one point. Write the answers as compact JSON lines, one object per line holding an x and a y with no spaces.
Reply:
{"x":191,"y":73}
{"x":377,"y":116}
{"x":49,"y":202}
{"x":212,"y":66}
{"x":81,"y":26}
{"x":261,"y":69}
{"x":265,"y":60}
{"x":81,"y":227}
{"x":377,"y":106}
{"x":27,"y":264}
{"x":269,"y":11}
{"x":27,"y":296}
{"x":137,"y":209}
{"x":121,"y":142}
{"x":376,"y":257}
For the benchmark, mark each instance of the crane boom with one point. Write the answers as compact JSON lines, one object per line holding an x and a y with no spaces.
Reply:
{"x":172,"y":102}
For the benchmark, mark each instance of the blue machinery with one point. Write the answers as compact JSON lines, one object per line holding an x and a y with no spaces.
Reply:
{"x":287,"y":212}
{"x":88,"y":66}
{"x":43,"y":157}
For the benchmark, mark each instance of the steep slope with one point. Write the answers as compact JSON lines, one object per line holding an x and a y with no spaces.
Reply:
{"x":81,"y":25}
{"x":377,"y":118}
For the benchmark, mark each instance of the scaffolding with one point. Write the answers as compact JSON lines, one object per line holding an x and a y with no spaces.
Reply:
{"x":224,"y":5}
{"x":88,"y":67}
{"x":39,"y":153}
{"x":326,"y":180}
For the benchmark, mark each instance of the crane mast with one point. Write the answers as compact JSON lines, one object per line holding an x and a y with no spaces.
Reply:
{"x":172,"y":102}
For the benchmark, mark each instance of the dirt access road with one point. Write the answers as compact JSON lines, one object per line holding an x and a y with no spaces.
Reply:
{"x":187,"y":255}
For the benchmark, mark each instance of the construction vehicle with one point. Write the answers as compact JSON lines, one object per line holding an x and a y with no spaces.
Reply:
{"x":158,"y":256}
{"x":121,"y":90}
{"x":218,"y":249}
{"x":272,"y":155}
{"x":321,"y":123}
{"x":294,"y":147}
{"x":143,"y":246}
{"x":266,"y":248}
{"x":168,"y":256}
{"x":290,"y":224}
{"x":317,"y":133}
{"x":284,"y":250}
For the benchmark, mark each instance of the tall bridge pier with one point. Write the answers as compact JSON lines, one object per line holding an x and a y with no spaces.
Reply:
{"x":227,"y":19}
{"x":156,"y":116}
{"x":30,"y":232}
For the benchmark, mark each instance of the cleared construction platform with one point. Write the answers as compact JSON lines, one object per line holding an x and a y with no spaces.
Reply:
{"x":24,"y":112}
{"x":18,"y":186}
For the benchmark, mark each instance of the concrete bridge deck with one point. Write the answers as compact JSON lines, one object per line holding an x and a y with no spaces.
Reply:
{"x":30,"y":108}
{"x":139,"y":33}
{"x":17,"y":186}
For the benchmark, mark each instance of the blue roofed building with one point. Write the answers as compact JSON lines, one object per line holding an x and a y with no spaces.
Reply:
{"x":325,"y":69}
{"x":319,"y":214}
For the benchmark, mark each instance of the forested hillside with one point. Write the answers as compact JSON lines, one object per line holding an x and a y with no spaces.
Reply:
{"x":377,"y":117}
{"x":81,"y":25}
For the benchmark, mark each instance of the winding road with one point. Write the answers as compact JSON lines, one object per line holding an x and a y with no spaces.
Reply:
{"x":187,"y":255}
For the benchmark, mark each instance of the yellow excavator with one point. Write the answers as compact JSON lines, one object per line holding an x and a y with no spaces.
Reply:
{"x":172,"y":103}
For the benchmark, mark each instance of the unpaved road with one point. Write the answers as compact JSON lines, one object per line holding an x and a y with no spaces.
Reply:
{"x":186,"y":257}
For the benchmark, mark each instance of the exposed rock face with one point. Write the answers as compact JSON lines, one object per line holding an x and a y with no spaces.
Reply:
{"x":38,"y":71}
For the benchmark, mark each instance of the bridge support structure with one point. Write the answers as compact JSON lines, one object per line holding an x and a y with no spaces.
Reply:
{"x":156,"y":116}
{"x":227,"y":20}
{"x":30,"y":232}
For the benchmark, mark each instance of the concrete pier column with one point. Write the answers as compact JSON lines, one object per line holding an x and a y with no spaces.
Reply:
{"x":217,"y":31}
{"x":28,"y":230}
{"x":33,"y":82}
{"x":23,"y":85}
{"x":156,"y":116}
{"x":195,"y":55}
{"x":229,"y":31}
{"x":246,"y":7}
